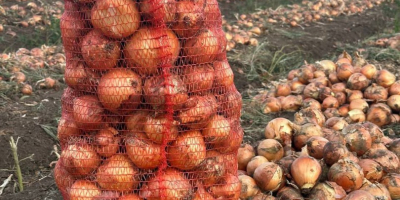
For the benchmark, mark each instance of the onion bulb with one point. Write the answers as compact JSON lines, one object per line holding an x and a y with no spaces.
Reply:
{"x":189,"y":19}
{"x":372,"y":170}
{"x":357,"y":81}
{"x":26,"y":89}
{"x":198,"y":79}
{"x":353,"y":94}
{"x":88,"y":112}
{"x":305,"y":75}
{"x":249,"y":187}
{"x":213,"y":168}
{"x":312,"y":90}
{"x":327,"y":190}
{"x":319,"y":73}
{"x":201,"y":193}
{"x":392,"y":182}
{"x":66,"y":129}
{"x":62,"y":177}
{"x":324,"y":93}
{"x":172,"y":183}
{"x":375,"y":132}
{"x":136,"y":121}
{"x":304,"y":132}
{"x":359,"y":194}
{"x":358,"y":138}
{"x":230,"y":103}
{"x":330,"y":102}
{"x":228,"y":188}
{"x":217,"y":129}
{"x":334,"y":151}
{"x":315,"y":146}
{"x":187,"y":151}
{"x":233,"y":141}
{"x":355,"y":116}
{"x":331,"y":112}
{"x":347,"y":174}
{"x":387,"y":159}
{"x":369,"y":71}
{"x":156,"y":127}
{"x":120,"y":90}
{"x":376,"y":92}
{"x":291,"y":103}
{"x":285,"y":163}
{"x":142,"y":152}
{"x":378,"y":190}
{"x":100,"y":52}
{"x":338,"y":87}
{"x":151,"y":10}
{"x":202,"y":48}
{"x":297,"y":87}
{"x":279,"y":129}
{"x":245,"y":154}
{"x":270,"y":149}
{"x":282,"y":89}
{"x":197,"y":111}
{"x":344,"y":110}
{"x":359,"y":104}
{"x":333,"y":78}
{"x":269,"y":176}
{"x":385,"y":78}
{"x":311,"y":103}
{"x":344,"y":71}
{"x":341,"y":97}
{"x":254,"y":163}
{"x":327,"y":66}
{"x":148,"y":48}
{"x":294,"y":73}
{"x":305,"y":172}
{"x":394,"y":102}
{"x":272,"y":105}
{"x":223,"y":74}
{"x":80,"y":159}
{"x":84,"y":189}
{"x":107,"y":142}
{"x":309,"y":115}
{"x":395,"y":88}
{"x":379,"y":114}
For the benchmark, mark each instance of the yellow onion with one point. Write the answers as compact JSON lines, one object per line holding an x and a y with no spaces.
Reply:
{"x":254,"y":163}
{"x":326,"y":65}
{"x":324,"y":93}
{"x":327,"y":190}
{"x":270,"y":149}
{"x":156,"y":126}
{"x":312,"y":90}
{"x":378,"y":190}
{"x":394,"y":146}
{"x":319,"y":73}
{"x":305,"y":75}
{"x":374,"y":130}
{"x":357,"y":138}
{"x":333,"y":136}
{"x":357,"y":81}
{"x":315,"y":146}
{"x":333,"y":78}
{"x":311,"y":103}
{"x":338,"y":87}
{"x":395,"y":88}
{"x":394,"y":102}
{"x":372,"y":170}
{"x":369,"y":71}
{"x":291,"y":103}
{"x":330,"y":102}
{"x":272,"y":105}
{"x":282,"y":89}
{"x":309,"y":115}
{"x":376,"y":92}
{"x":387,"y":159}
{"x":379,"y":114}
{"x":304,"y":132}
{"x":385,"y":78}
{"x":244,"y":155}
{"x":359,"y":104}
{"x":262,"y":196}
{"x":341,"y":97}
{"x":321,"y":80}
{"x":345,"y":55}
{"x":249,"y":187}
{"x":297,"y":87}
{"x":143,"y":153}
{"x":269,"y":176}
{"x":355,"y":115}
{"x":359,"y":61}
{"x":359,"y":194}
{"x":288,"y":192}
{"x":353,"y":94}
{"x":394,"y":118}
{"x":347,"y":174}
{"x":344,"y":71}
{"x":294,"y":73}
{"x":84,"y":189}
{"x":392,"y":182}
{"x":213,"y":168}
{"x":336,"y":123}
{"x":217,"y":130}
{"x":343,"y":110}
{"x":331,"y":112}
{"x":279,"y":129}
{"x":334,"y":151}
{"x":305,"y":172}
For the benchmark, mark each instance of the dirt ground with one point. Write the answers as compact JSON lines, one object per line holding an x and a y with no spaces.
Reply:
{"x":23,"y":117}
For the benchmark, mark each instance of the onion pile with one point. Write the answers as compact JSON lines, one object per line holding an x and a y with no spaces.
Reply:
{"x":335,"y":147}
{"x":151,"y":110}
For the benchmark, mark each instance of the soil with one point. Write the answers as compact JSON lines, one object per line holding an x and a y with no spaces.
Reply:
{"x":23,"y":117}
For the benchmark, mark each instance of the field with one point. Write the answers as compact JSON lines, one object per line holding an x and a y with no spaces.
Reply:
{"x":281,"y":47}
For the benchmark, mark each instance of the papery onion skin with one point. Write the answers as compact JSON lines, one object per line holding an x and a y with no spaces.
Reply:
{"x":198,"y":79}
{"x":358,"y":138}
{"x":269,"y":176}
{"x":270,"y":149}
{"x":84,"y":189}
{"x":213,"y":168}
{"x":305,"y":75}
{"x":217,"y":129}
{"x":288,"y":192}
{"x":189,"y":19}
{"x":155,"y":128}
{"x":344,"y":71}
{"x":272,"y":105}
{"x":376,"y":189}
{"x":245,"y":154}
{"x":374,"y":130}
{"x":327,"y":66}
{"x":254,"y":163}
{"x":344,"y":110}
{"x":285,"y":163}
{"x":371,"y":169}
{"x":305,"y":172}
{"x":107,"y":142}
{"x":379,"y":114}
{"x":312,"y":103}
{"x":360,"y":104}
{"x":357,"y":81}
{"x":353,"y":94}
{"x":62,"y":177}
{"x":282,"y":89}
{"x":387,"y":159}
{"x":392,"y":182}
{"x":66,"y":129}
{"x":202,"y":48}
{"x":334,"y":151}
{"x":395,"y":88}
{"x":294,"y":73}
{"x":279,"y":129}
{"x":142,"y":152}
{"x":151,"y":10}
{"x":80,"y":159}
{"x":228,"y":188}
{"x":369,"y":71}
{"x":376,"y":92}
{"x":223,"y":74}
{"x":304,"y":132}
{"x":315,"y":146}
{"x":394,"y":102}
{"x":347,"y":174}
{"x":136,"y":121}
{"x":249,"y":187}
{"x":331,"y":112}
{"x":385,"y":78}
{"x":328,"y":191}
{"x":309,"y":115}
{"x":359,"y":194}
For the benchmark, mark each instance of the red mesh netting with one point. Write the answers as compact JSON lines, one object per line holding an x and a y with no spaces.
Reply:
{"x":151,"y":111}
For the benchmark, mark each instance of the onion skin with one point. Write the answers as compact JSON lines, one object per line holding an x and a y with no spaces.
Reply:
{"x":198,"y":79}
{"x":327,"y":191}
{"x":155,"y":128}
{"x":331,"y":112}
{"x":249,"y":187}
{"x":379,"y":114}
{"x":124,"y":16}
{"x":120,"y":90}
{"x":282,"y":89}
{"x":371,"y":169}
{"x":311,"y":103}
{"x":374,"y":130}
{"x":99,"y":52}
{"x":62,"y":177}
{"x":291,"y":103}
{"x":245,"y":154}
{"x":117,"y":173}
{"x":330,"y":102}
{"x":387,"y":159}
{"x":288,"y":192}
{"x":189,"y":19}
{"x":66,"y":129}
{"x":187,"y":151}
{"x":156,"y":87}
{"x":305,"y":172}
{"x":233,"y":141}
{"x":378,"y":190}
{"x":334,"y":151}
{"x":376,"y":92}
{"x":341,"y":97}
{"x":344,"y":71}
{"x":269,"y":176}
{"x":305,"y":75}
{"x":108,"y":143}
{"x":347,"y":174}
{"x":142,"y":152}
{"x":309,"y":115}
{"x":271,"y":149}
{"x":228,"y":188}
{"x":369,"y":71}
{"x":217,"y":129}
{"x":230,"y":103}
{"x":279,"y":129}
{"x":272,"y":105}
{"x":213,"y":168}
{"x":71,"y":26}
{"x":353,"y":94}
{"x":394,"y":102}
{"x":136,"y":121}
{"x":223,"y":74}
{"x":359,"y":194}
{"x":304,"y":132}
{"x":392,"y":182}
{"x":333,"y":78}
{"x":80,"y":159}
{"x":297,"y":87}
{"x":338,"y":87}
{"x":315,"y":146}
{"x":327,"y":66}
{"x":254,"y":163}
{"x":129,"y":197}
{"x":385,"y":78}
{"x":84,"y":189}
{"x":172,"y":183}
{"x":344,"y":110}
{"x":395,"y":88}
{"x":151,"y":10}
{"x":144,"y":52}
{"x":202,"y":48}
{"x":357,"y":81}
{"x":201,"y":193}
{"x":294,"y":73}
{"x":358,"y":138}
{"x":360,"y":104}
{"x":312,"y":90}
{"x":197,"y":111}
{"x":394,"y":146}
{"x":262,"y":196}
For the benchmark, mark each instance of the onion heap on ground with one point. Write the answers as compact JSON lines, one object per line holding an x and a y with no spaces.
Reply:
{"x":151,"y":111}
{"x":335,"y":147}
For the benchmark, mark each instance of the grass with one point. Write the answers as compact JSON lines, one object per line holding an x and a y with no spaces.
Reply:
{"x":250,"y":6}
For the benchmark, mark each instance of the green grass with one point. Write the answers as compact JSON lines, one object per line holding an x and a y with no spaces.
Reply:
{"x":250,"y":6}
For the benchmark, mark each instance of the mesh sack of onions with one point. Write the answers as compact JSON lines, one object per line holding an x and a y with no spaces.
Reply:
{"x":151,"y":110}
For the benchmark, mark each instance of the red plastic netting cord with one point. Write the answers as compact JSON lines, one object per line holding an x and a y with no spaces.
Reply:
{"x":158,"y":21}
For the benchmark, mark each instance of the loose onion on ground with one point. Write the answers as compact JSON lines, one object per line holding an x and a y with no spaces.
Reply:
{"x":269,"y":176}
